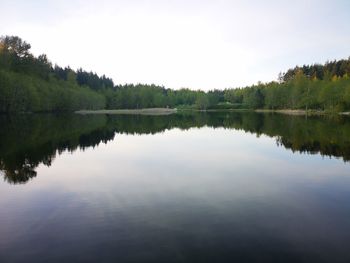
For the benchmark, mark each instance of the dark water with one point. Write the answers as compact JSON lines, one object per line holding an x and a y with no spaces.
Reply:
{"x":221,"y":187}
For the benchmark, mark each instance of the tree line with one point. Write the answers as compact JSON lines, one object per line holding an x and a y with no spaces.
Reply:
{"x":33,"y":84}
{"x":332,"y":93}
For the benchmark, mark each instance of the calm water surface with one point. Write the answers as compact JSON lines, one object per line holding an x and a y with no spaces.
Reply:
{"x":221,"y":187}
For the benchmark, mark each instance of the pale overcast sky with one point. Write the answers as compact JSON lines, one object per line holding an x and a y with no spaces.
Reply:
{"x":186,"y":43}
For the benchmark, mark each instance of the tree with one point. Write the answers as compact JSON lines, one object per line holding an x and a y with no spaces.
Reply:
{"x":202,"y":101}
{"x":253,"y":98}
{"x":15,"y":45}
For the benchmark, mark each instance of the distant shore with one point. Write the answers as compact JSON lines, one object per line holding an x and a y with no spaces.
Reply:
{"x":150,"y":111}
{"x":282,"y":111}
{"x":168,"y":111}
{"x":294,"y":112}
{"x":302,"y":112}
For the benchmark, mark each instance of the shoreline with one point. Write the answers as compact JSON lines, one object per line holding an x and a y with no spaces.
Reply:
{"x":169,"y":111}
{"x":150,"y":111}
{"x":294,"y":112}
{"x":302,"y":112}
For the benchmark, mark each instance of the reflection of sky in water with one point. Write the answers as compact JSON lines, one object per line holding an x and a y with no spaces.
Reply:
{"x":185,"y":191}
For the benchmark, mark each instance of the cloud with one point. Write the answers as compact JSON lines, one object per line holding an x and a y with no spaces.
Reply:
{"x":196,"y":44}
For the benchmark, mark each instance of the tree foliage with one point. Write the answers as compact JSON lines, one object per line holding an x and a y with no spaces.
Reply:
{"x":29,"y":83}
{"x":296,"y":92}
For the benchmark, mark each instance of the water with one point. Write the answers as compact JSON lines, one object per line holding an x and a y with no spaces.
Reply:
{"x":222,"y":187}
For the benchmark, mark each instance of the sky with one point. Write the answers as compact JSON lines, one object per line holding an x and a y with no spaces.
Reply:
{"x":207,"y":44}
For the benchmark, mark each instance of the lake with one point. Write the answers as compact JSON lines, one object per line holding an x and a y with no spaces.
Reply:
{"x":204,"y":187}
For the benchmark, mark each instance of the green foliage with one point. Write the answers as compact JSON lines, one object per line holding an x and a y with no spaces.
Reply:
{"x":202,"y":101}
{"x":15,"y":45}
{"x":90,"y":79}
{"x":29,"y":83}
{"x":333,"y":68}
{"x":150,"y":96}
{"x":300,"y":92}
{"x":23,"y":93}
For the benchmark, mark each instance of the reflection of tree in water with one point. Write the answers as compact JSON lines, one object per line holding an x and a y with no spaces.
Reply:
{"x":26,"y":142}
{"x":315,"y":147}
{"x":17,"y":174}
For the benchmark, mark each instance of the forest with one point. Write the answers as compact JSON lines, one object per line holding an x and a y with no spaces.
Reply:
{"x":32,"y":84}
